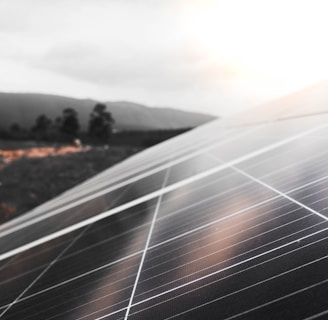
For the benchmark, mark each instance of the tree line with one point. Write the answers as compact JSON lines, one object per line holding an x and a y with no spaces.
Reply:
{"x":66,"y":127}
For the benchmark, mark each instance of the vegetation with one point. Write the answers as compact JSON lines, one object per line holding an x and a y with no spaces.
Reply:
{"x":27,"y":179}
{"x":69,"y":123}
{"x":66,"y":128}
{"x":101,"y":123}
{"x":41,"y":128}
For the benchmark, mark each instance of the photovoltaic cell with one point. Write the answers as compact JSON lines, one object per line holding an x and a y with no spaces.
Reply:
{"x":228,"y":221}
{"x":88,"y":274}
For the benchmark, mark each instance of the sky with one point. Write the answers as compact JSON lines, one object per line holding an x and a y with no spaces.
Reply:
{"x":210,"y":56}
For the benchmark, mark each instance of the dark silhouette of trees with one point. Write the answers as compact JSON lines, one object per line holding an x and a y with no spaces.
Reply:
{"x":41,"y":127}
{"x":16,"y":132}
{"x":15,"y":128}
{"x":42,"y":123}
{"x":58,"y":122}
{"x":69,"y":122}
{"x":100,"y":123}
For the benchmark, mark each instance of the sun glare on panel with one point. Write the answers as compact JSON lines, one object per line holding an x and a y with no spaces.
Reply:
{"x":282,"y":39}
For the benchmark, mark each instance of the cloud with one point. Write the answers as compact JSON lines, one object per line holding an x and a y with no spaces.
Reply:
{"x":34,"y":16}
{"x":120,"y":49}
{"x":166,"y":69}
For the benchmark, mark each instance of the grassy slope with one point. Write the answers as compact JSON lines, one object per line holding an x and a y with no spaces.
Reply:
{"x":28,"y":182}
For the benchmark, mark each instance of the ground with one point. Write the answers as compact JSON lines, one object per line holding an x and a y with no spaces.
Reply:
{"x":32,"y":174}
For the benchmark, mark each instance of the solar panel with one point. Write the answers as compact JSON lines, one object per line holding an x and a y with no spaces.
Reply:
{"x":228,"y":221}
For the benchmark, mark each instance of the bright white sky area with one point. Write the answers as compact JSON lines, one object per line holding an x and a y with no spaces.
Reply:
{"x":210,"y":56}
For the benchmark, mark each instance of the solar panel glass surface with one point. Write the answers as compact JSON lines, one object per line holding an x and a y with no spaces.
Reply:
{"x":231,"y":229}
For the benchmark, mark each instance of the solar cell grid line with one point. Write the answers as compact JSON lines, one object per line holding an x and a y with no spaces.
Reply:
{"x":85,"y":211}
{"x":288,"y":179}
{"x":44,"y":271}
{"x":200,"y":205}
{"x":280,"y":142}
{"x":61,"y":303}
{"x":181,"y":183}
{"x":22,"y":261}
{"x":22,"y":270}
{"x":203,"y":256}
{"x":145,"y":154}
{"x":204,"y":200}
{"x":146,"y":248}
{"x":270,"y":133}
{"x":195,"y":239}
{"x":147,"y":184}
{"x":182,"y":149}
{"x":7,"y":262}
{"x":292,"y":174}
{"x":42,"y":292}
{"x":176,"y":216}
{"x":174,"y":145}
{"x":274,"y":111}
{"x":307,"y":193}
{"x":285,"y":181}
{"x":282,"y":194}
{"x":244,"y":213}
{"x":221,"y":207}
{"x":25,"y":258}
{"x":252,"y":286}
{"x":259,"y":283}
{"x":210,"y":189}
{"x":269,"y":244}
{"x":242,"y":185}
{"x":151,"y":302}
{"x":294,"y":235}
{"x":288,"y":152}
{"x":73,"y":267}
{"x":219,"y":143}
{"x":243,"y":314}
{"x":36,"y":297}
{"x":316,"y":316}
{"x":299,"y":160}
{"x":264,"y":113}
{"x":156,"y":169}
{"x":304,"y":195}
{"x":211,"y":223}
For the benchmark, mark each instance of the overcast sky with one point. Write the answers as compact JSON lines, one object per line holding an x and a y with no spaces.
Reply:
{"x":211,"y":56}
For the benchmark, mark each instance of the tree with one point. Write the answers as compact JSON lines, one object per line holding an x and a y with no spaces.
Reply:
{"x":69,"y":123}
{"x":42,"y":125}
{"x":15,"y":128}
{"x":16,"y":132}
{"x":101,"y":123}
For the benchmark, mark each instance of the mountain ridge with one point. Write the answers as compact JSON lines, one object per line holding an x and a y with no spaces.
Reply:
{"x":24,"y":108}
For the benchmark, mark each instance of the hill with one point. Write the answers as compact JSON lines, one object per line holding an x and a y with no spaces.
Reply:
{"x":24,"y":108}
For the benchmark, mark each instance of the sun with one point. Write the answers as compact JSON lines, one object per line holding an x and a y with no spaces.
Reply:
{"x":279,"y":40}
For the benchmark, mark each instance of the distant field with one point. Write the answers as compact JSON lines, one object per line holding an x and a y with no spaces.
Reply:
{"x":14,"y":145}
{"x":27,"y":182}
